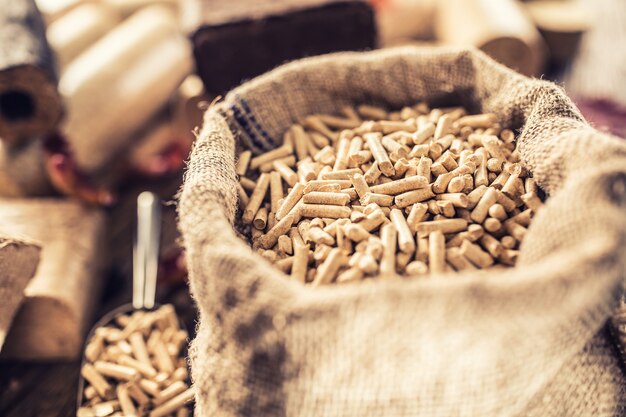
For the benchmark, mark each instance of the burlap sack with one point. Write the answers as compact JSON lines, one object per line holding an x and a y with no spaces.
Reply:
{"x":530,"y":341}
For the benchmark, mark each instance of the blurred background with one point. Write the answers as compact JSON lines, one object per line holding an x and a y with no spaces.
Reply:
{"x":100,"y":100}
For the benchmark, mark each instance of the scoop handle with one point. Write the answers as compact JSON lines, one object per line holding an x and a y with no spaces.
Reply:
{"x":146,"y":250}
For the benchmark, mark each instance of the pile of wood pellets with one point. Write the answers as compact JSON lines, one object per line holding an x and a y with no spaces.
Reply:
{"x":373,"y":193}
{"x":135,"y":366}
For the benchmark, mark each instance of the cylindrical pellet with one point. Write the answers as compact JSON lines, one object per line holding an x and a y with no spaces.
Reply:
{"x":481,"y":173}
{"x":475,"y":196}
{"x":319,"y":185}
{"x":290,"y":201}
{"x":382,"y":200}
{"x":116,"y":371}
{"x":444,"y":226}
{"x":458,"y":261}
{"x":269,"y":239}
{"x":373,"y":220}
{"x":242,"y":163}
{"x":424,"y":168}
{"x":498,"y":212}
{"x":318,"y":236}
{"x":328,"y":269}
{"x":320,"y":197}
{"x":416,"y":268}
{"x":300,"y":262}
{"x":457,"y":199}
{"x":515,"y":229}
{"x":532,"y":201}
{"x":482,"y":208}
{"x":416,"y":215}
{"x":174,"y":404}
{"x":300,"y":140}
{"x":285,"y":172}
{"x":289,"y":161}
{"x":443,"y":126}
{"x":256,"y":199}
{"x":319,"y":210}
{"x":147,"y":370}
{"x":491,"y":245}
{"x":343,"y":148}
{"x":492,"y":225}
{"x":405,"y":236}
{"x":523,"y":218}
{"x":476,"y":255}
{"x":436,"y":252}
{"x":276,"y":190}
{"x":247,"y":184}
{"x":456,"y":185}
{"x":354,"y":156}
{"x":372,"y":174}
{"x":277,"y":153}
{"x":306,"y":171}
{"x":388,"y":235}
{"x":326,"y":156}
{"x":104,"y":389}
{"x":360,"y":185}
{"x":343,"y":174}
{"x":478,"y":120}
{"x":126,"y":404}
{"x":412,"y":197}
{"x":379,"y":153}
{"x":356,"y":232}
{"x":424,"y":133}
{"x":400,"y":186}
{"x":260,"y":219}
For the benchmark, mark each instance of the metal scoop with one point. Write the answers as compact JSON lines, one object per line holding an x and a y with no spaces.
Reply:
{"x":131,"y":361}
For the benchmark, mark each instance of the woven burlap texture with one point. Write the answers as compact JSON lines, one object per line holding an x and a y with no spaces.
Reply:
{"x":529,"y":341}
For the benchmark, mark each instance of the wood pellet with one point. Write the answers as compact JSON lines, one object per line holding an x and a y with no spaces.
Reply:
{"x":386,"y":194}
{"x":136,"y":366}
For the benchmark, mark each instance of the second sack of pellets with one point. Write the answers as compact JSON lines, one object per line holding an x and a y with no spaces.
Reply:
{"x":372,"y":193}
{"x":136,"y":366}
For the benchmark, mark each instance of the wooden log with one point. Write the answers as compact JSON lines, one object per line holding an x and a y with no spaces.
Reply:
{"x":41,"y":168}
{"x":30,"y":104}
{"x":188,"y":105}
{"x":60,"y":299}
{"x":74,"y":32}
{"x":18,"y":262}
{"x":23,"y":170}
{"x":120,"y":82}
{"x":498,"y":27}
{"x":562,"y":25}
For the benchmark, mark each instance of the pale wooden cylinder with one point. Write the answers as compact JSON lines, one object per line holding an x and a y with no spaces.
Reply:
{"x":18,"y":262}
{"x":74,"y":32}
{"x":114,"y":87}
{"x":55,"y":9}
{"x":60,"y":299}
{"x":498,"y":27}
{"x":128,"y":7}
